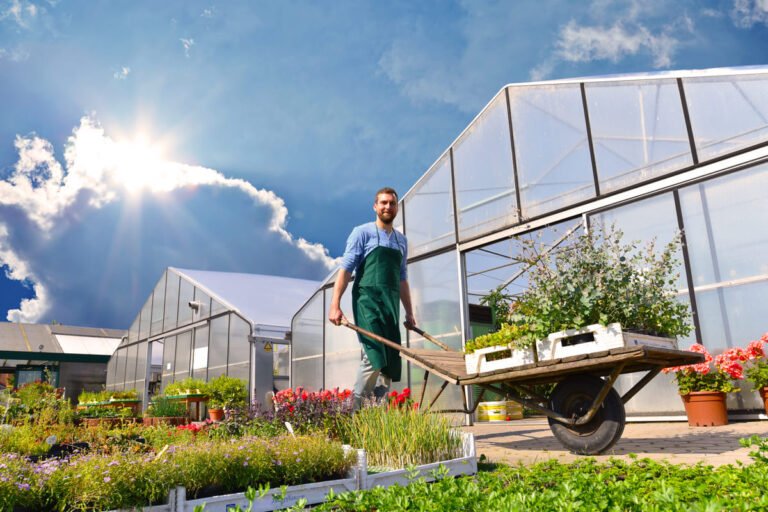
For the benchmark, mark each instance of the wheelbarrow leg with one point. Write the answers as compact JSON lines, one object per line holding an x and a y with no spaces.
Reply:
{"x":423,"y":389}
{"x":439,"y":392}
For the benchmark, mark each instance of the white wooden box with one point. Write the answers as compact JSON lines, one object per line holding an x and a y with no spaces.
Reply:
{"x":477,"y":362}
{"x":596,"y":338}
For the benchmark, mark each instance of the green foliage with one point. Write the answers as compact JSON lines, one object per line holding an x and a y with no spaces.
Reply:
{"x":128,"y":394}
{"x":91,"y":397}
{"x":757,"y":373}
{"x":185,"y":387}
{"x":597,"y":279}
{"x":516,"y":336}
{"x":760,"y":454}
{"x":641,"y":485}
{"x":164,"y":407}
{"x":688,"y":382}
{"x":23,"y":440}
{"x":126,"y":481}
{"x":396,"y":437}
{"x":106,"y":412}
{"x":226,"y":392}
{"x":499,"y":303}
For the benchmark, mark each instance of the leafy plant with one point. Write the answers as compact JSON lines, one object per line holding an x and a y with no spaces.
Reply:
{"x":597,"y":279}
{"x":128,"y":394}
{"x":714,"y":374}
{"x":185,"y":386}
{"x":513,"y":335}
{"x":635,"y":486}
{"x":226,"y":392}
{"x":164,"y":407}
{"x":756,"y":371}
{"x":499,"y":303}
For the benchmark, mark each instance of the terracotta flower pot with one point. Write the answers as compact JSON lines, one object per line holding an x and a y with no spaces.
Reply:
{"x":705,"y":408}
{"x":216,"y":414}
{"x":764,"y":395}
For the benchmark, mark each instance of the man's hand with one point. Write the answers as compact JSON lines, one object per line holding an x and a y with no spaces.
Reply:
{"x":410,"y":319}
{"x":335,"y":315}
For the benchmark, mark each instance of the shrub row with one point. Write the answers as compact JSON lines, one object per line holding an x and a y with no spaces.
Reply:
{"x":105,"y":482}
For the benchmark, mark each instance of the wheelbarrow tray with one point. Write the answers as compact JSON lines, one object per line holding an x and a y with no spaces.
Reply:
{"x":450,"y":366}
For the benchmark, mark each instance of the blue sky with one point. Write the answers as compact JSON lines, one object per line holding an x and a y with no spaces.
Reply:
{"x":250,"y":136}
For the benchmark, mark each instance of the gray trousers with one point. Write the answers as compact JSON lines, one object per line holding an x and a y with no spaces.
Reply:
{"x":370,"y":382}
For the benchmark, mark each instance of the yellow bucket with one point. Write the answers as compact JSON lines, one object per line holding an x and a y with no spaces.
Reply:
{"x":499,"y":411}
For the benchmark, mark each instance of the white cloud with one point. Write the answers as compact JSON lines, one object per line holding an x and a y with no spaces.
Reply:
{"x":17,"y":54}
{"x":103,"y":170}
{"x":208,"y":12}
{"x":19,"y":11}
{"x":747,"y":13}
{"x":584,"y":44}
{"x":187,"y":44}
{"x":30,"y":310}
{"x":122,"y":74}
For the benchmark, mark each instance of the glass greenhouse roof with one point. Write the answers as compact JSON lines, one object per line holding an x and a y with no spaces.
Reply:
{"x":262,"y":299}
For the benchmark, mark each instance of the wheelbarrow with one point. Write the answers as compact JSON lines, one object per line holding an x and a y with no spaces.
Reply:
{"x":584,"y":411}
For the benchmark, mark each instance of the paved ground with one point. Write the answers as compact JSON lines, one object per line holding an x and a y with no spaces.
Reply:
{"x":530,"y":440}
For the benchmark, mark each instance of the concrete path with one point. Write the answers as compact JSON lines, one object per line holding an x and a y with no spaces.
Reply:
{"x":529,"y":440}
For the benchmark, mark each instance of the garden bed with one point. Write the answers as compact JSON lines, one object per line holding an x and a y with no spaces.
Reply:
{"x":359,"y":478}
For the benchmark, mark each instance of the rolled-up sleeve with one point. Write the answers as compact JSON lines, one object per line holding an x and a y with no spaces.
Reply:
{"x":354,"y":251}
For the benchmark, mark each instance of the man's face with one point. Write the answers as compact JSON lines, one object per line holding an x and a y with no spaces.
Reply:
{"x":385,"y":208}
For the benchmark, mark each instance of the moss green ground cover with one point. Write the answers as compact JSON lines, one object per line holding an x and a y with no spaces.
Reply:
{"x":586,"y":485}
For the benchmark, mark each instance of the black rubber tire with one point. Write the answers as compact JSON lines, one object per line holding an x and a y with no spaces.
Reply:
{"x":572,"y":398}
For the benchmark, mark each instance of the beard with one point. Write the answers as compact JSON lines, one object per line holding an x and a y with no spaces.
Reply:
{"x":386,"y":218}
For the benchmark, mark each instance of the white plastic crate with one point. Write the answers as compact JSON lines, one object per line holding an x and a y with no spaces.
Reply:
{"x":596,"y":338}
{"x":478,"y":362}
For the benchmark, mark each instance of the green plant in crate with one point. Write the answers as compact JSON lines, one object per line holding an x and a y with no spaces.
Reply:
{"x":164,"y":407}
{"x":518,"y":336}
{"x":128,"y":394}
{"x":596,"y":278}
{"x":186,"y":386}
{"x":226,"y":393}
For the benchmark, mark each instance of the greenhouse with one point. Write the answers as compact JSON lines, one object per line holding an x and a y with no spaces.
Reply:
{"x":655,"y":155}
{"x":203,"y":324}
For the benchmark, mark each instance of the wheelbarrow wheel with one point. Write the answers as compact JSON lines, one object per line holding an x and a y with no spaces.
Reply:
{"x":572,"y":398}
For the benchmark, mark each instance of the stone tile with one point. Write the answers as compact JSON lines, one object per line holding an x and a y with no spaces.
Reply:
{"x":530,"y":440}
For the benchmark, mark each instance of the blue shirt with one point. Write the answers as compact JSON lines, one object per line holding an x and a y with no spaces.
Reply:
{"x":364,"y":239}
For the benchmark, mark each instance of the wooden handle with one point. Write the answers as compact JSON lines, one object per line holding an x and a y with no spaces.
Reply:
{"x":380,"y":339}
{"x":427,"y":336}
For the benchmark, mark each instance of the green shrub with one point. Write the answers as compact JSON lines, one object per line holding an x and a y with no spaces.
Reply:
{"x":164,"y":407}
{"x":133,"y":480}
{"x":226,"y":392}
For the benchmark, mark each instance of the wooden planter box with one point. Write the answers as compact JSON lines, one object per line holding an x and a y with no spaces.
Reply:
{"x":108,"y":422}
{"x":150,"y":421}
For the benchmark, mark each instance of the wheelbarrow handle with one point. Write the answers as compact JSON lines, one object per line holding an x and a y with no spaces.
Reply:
{"x":364,"y":332}
{"x":427,"y":336}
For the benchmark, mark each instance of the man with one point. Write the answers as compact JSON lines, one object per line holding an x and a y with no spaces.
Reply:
{"x":377,"y":254}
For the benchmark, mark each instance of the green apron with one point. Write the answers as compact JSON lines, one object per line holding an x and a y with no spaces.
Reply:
{"x":376,"y":306}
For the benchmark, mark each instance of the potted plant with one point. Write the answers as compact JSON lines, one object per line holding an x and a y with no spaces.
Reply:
{"x":756,"y":371}
{"x":225,"y":392}
{"x":703,"y":386}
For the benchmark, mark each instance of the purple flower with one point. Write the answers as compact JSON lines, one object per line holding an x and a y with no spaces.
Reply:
{"x":245,"y":463}
{"x":107,"y":479}
{"x":23,"y":487}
